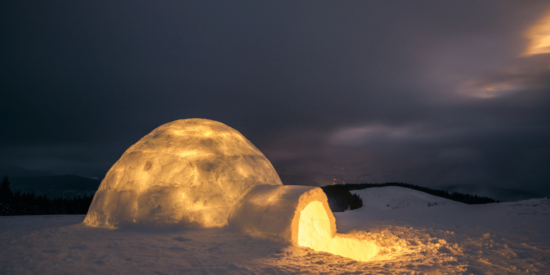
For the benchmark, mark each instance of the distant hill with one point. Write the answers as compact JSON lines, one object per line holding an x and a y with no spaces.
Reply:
{"x":340,"y":198}
{"x":15,"y":171}
{"x":503,"y":194}
{"x":65,"y":186}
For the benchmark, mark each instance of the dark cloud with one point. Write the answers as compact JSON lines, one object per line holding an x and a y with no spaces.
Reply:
{"x":427,"y":92}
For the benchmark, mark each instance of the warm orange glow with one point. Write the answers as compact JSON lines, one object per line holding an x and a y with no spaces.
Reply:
{"x":314,"y":232}
{"x":495,"y":89}
{"x":540,"y":37}
{"x":187,"y":173}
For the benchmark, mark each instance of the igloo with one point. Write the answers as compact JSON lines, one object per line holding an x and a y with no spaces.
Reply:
{"x":186,"y":173}
{"x":203,"y":173}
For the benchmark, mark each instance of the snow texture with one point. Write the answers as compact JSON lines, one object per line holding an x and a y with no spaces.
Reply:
{"x":186,"y":173}
{"x":415,"y":234}
{"x":273,"y":212}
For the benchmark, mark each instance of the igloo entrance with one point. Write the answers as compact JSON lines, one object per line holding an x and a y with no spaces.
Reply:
{"x":314,"y":232}
{"x":314,"y":227}
{"x":299,"y":215}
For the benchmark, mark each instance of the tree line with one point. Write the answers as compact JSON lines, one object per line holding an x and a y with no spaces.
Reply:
{"x":12,"y":204}
{"x":455,"y":196}
{"x":340,"y":198}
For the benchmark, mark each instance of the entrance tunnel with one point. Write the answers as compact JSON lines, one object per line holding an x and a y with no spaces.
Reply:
{"x":299,"y":215}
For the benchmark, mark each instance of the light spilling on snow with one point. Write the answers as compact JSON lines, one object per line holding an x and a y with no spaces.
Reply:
{"x":314,"y":232}
{"x":540,"y":37}
{"x":186,"y":173}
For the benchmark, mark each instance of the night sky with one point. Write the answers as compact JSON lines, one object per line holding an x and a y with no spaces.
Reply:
{"x":433,"y":93}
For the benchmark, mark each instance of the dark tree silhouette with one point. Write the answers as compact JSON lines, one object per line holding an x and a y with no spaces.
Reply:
{"x":341,"y":199}
{"x":5,"y":191}
{"x":29,"y":204}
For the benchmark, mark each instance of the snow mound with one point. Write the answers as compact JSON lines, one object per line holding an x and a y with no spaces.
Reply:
{"x":394,"y":197}
{"x":186,"y":173}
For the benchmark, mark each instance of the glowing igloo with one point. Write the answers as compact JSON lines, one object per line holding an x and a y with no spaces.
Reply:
{"x":203,"y":173}
{"x":185,"y":173}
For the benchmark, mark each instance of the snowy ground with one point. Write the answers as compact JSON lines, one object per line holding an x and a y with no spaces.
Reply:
{"x":416,"y":233}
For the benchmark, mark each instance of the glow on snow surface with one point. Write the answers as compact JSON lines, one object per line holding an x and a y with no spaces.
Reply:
{"x":314,"y":232}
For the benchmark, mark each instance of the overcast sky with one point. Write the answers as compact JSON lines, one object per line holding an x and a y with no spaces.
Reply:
{"x":434,"y":93}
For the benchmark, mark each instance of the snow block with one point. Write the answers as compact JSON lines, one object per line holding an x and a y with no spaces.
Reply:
{"x":274,"y":212}
{"x":186,"y":173}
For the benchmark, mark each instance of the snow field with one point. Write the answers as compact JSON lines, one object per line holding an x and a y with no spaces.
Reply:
{"x":412,"y":237}
{"x":427,"y":231}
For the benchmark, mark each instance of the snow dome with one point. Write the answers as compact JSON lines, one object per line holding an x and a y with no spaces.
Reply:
{"x":186,"y":173}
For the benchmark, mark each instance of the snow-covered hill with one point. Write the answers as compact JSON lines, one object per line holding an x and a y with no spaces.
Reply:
{"x":415,"y":232}
{"x":392,"y":197}
{"x":409,"y":207}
